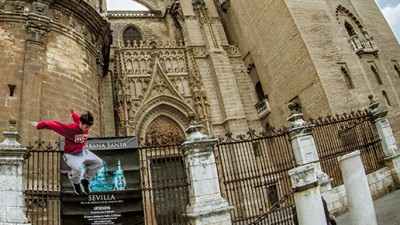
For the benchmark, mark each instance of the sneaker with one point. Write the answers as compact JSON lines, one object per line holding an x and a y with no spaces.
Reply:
{"x":77,"y":188}
{"x":85,"y":184}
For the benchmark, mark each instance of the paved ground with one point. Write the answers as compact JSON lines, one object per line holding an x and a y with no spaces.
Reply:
{"x":387,"y":210}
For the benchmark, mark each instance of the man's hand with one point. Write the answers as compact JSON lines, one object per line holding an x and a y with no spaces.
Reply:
{"x":34,"y":124}
{"x":71,"y":110}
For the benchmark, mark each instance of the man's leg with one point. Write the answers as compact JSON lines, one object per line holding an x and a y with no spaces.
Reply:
{"x":93,"y":164}
{"x":75,"y":163}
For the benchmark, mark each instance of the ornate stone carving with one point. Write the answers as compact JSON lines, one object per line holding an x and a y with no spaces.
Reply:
{"x":224,"y":4}
{"x":198,"y":4}
{"x":199,"y":51}
{"x":176,"y":12}
{"x":37,"y":32}
{"x":39,"y":8}
{"x":2,"y":5}
{"x":232,"y":50}
{"x":164,"y":131}
{"x":72,"y":23}
{"x":19,"y":6}
{"x":57,"y":16}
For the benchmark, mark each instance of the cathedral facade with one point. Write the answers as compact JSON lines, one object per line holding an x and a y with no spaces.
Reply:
{"x":236,"y":65}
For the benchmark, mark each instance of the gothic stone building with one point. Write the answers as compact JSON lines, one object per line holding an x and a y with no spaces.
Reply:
{"x":236,"y":64}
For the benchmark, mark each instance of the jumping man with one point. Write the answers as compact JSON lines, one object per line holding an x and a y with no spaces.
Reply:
{"x":75,"y":156}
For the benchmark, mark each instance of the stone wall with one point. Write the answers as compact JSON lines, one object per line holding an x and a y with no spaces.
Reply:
{"x":55,"y":57}
{"x":298,"y":49}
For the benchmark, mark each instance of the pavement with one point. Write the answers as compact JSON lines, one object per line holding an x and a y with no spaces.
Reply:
{"x":387,"y":210}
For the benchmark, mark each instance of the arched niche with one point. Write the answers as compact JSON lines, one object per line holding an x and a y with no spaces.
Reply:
{"x":164,"y":130}
{"x":166,"y":110}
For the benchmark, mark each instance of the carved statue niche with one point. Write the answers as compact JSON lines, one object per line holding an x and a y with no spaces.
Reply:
{"x":120,"y":110}
{"x":131,"y":110}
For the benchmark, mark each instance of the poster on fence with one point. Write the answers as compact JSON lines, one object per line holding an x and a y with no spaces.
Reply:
{"x":115,"y":195}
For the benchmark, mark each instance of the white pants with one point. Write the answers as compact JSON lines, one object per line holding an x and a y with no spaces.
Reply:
{"x":91,"y":161}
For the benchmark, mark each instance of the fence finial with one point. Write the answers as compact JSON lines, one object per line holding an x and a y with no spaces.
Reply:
{"x":12,"y":122}
{"x":192,"y":118}
{"x":11,"y":135}
{"x":377,"y":112}
{"x":295,"y":114}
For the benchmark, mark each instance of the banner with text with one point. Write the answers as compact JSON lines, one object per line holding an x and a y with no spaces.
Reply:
{"x":115,"y":194}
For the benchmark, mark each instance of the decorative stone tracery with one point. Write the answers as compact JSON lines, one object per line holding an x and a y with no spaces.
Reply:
{"x":360,"y":44}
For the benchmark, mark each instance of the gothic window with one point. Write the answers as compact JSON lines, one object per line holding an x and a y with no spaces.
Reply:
{"x":260,"y":91}
{"x":386,"y":98}
{"x":359,"y":38}
{"x":349,"y":28}
{"x":376,"y":73}
{"x":347,"y":77}
{"x":132,"y":34}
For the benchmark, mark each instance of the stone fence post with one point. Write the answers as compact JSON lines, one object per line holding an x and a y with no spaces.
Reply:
{"x":361,"y":206}
{"x":303,"y":145}
{"x":206,"y":205}
{"x":307,"y":196}
{"x":390,"y":149}
{"x":12,"y":160}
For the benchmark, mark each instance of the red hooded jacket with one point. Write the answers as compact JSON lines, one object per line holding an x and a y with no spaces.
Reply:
{"x":75,"y":138}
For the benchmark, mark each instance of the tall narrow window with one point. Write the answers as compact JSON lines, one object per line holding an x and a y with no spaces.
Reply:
{"x":347,"y":77}
{"x":131,"y":34}
{"x":11,"y":87}
{"x":386,"y":98}
{"x":260,"y":91}
{"x":376,"y":73}
{"x":396,"y":67}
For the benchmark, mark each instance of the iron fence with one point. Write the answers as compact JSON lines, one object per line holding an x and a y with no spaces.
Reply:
{"x":340,"y":134}
{"x":252,"y":169}
{"x":163,"y":182}
{"x":164,"y":185}
{"x":253,"y":176}
{"x":42,"y":189}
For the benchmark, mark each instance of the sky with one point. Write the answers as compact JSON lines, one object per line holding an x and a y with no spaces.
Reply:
{"x":390,"y":10}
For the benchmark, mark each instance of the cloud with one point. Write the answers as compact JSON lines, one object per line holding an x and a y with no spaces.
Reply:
{"x":392,"y":15}
{"x":387,"y":3}
{"x":124,"y":5}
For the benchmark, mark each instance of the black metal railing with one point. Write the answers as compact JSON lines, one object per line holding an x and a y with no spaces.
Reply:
{"x":252,"y":169}
{"x":253,"y":176}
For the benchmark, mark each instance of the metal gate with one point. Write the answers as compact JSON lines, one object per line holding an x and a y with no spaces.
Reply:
{"x":253,"y":176}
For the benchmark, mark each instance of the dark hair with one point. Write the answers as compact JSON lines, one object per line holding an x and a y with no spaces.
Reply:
{"x":87,"y":118}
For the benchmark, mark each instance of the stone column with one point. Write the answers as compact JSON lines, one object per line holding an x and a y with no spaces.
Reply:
{"x":361,"y":207}
{"x":12,"y":159}
{"x":383,"y":127}
{"x":206,"y":205}
{"x":307,"y":196}
{"x":303,"y":145}
{"x":389,"y":146}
